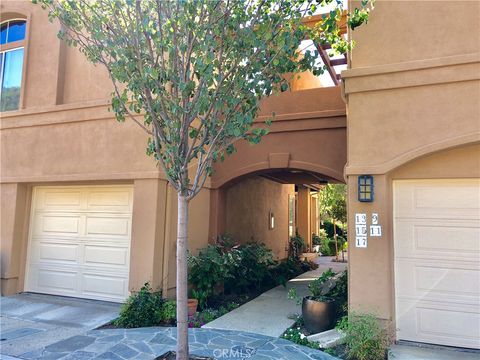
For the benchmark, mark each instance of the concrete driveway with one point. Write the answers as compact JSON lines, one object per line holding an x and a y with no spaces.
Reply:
{"x":32,"y":321}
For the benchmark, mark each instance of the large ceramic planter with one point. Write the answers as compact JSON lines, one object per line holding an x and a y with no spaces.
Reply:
{"x":318,"y":316}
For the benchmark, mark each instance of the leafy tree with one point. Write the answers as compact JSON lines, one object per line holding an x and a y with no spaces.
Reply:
{"x":191,"y":74}
{"x":333,"y":204}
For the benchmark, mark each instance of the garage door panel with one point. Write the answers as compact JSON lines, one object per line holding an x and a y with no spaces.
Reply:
{"x":106,"y":255}
{"x":433,"y":280}
{"x":438,"y":239}
{"x":109,"y":200}
{"x":111,"y":226}
{"x":430,"y":323}
{"x":97,"y":285}
{"x":50,"y":224}
{"x":80,"y":241}
{"x":59,"y":200}
{"x":437,"y":261}
{"x":56,"y":279}
{"x":437,"y":199}
{"x":49,"y":251}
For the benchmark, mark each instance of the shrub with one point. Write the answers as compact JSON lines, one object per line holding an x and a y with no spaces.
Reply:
{"x":239,"y":269}
{"x":169,"y":312}
{"x":285,"y":270}
{"x":317,"y":239}
{"x":328,"y":227}
{"x":250,"y":267}
{"x":141,"y":309}
{"x":327,"y":247}
{"x":207,"y":270}
{"x":365,"y":338}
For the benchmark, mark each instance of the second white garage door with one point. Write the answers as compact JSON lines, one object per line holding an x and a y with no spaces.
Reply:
{"x":79,"y":242}
{"x":437,"y":261}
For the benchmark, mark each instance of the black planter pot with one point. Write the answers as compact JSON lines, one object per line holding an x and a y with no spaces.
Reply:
{"x":318,"y":316}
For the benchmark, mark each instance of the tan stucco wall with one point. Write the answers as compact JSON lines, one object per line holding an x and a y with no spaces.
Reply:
{"x":412,"y":113}
{"x":403,"y":31}
{"x":248,"y":205}
{"x":13,"y":213}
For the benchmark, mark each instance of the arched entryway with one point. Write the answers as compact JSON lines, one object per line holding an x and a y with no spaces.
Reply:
{"x":259,"y":184}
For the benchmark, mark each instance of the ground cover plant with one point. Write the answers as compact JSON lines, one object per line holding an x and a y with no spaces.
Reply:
{"x":365,"y":337}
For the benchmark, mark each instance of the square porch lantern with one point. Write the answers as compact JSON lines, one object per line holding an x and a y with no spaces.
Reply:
{"x":365,"y":188}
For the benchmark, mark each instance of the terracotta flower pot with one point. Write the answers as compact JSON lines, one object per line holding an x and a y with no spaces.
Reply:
{"x":318,"y":316}
{"x":192,"y":306}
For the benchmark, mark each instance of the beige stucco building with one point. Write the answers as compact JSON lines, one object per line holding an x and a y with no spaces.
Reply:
{"x":84,"y":212}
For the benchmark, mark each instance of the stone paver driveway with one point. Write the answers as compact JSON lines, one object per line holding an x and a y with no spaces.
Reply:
{"x":32,"y":321}
{"x":147,"y":343}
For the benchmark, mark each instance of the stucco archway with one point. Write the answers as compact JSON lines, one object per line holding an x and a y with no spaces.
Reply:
{"x":306,"y":145}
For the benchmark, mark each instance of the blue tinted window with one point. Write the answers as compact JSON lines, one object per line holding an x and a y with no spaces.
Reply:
{"x":3,"y":39}
{"x":11,"y":79}
{"x":11,"y":64}
{"x":16,"y":30}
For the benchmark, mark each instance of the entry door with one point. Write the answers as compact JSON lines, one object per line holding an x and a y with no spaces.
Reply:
{"x":437,"y":261}
{"x":79,"y":243}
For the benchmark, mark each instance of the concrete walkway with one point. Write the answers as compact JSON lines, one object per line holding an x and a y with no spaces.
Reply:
{"x":272,"y":312}
{"x":31,"y":321}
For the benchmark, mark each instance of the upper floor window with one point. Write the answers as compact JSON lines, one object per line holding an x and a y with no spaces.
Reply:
{"x":12,"y":43}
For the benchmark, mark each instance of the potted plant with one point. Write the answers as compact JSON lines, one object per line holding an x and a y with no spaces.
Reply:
{"x":194,"y":299}
{"x":296,"y":246}
{"x":326,"y":302}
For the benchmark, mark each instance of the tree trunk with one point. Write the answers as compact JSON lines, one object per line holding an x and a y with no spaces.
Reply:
{"x":335,"y":237}
{"x":182,"y":280}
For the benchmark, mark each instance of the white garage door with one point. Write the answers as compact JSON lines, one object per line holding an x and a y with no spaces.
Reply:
{"x":437,"y":261}
{"x":79,"y":242}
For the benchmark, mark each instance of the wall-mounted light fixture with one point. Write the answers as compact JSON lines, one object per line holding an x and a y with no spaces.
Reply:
{"x":365,"y":188}
{"x":271,"y":220}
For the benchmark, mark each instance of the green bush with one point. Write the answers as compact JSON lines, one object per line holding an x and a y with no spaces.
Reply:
{"x":328,"y":227}
{"x":250,"y":268}
{"x":247,"y":266}
{"x":284,"y":271}
{"x":365,"y":338}
{"x":327,"y":247}
{"x":141,"y":309}
{"x":206,"y":270}
{"x":169,"y":312}
{"x":239,"y":269}
{"x":317,"y":239}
